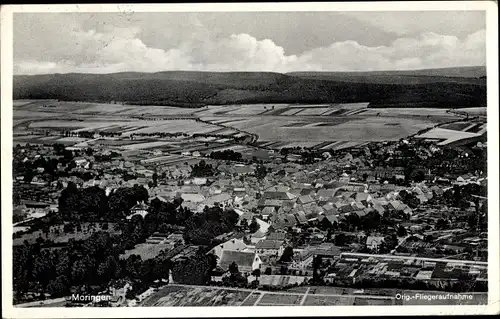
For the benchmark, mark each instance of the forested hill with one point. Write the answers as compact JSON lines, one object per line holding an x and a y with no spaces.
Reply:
{"x":195,"y":89}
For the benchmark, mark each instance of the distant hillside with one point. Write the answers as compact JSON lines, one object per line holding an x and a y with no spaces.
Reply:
{"x":195,"y":89}
{"x":467,"y":75}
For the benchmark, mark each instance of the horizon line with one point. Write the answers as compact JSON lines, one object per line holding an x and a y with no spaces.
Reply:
{"x":273,"y":72}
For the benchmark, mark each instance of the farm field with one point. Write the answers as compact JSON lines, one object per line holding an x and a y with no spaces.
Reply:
{"x":324,"y":126}
{"x":447,"y":135}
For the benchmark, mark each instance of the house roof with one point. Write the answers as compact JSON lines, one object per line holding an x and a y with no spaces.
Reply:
{"x":276,"y":236}
{"x":325,"y":193}
{"x":241,"y":258}
{"x":301,"y":217}
{"x":304,"y":199}
{"x":374,"y":239}
{"x":195,"y":198}
{"x":332,"y":219}
{"x":268,"y":210}
{"x":269,"y":244}
{"x":361,"y":196}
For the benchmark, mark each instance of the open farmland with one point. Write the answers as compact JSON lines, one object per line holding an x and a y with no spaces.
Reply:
{"x":447,"y":135}
{"x":324,"y":126}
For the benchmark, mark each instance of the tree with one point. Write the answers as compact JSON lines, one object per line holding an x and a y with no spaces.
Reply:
{"x":402,"y":231}
{"x":287,"y":255}
{"x":254,"y":226}
{"x":340,"y":239}
{"x":260,"y":171}
{"x":256,"y":273}
{"x":233,"y":268}
{"x":268,"y":271}
{"x":58,"y":287}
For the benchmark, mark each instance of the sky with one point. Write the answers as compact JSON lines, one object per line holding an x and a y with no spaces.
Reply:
{"x":247,"y":41}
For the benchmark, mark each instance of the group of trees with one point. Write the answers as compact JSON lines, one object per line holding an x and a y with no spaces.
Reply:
{"x":202,"y":169}
{"x":89,"y":134}
{"x":226,"y":155}
{"x":202,"y":228}
{"x":260,"y":171}
{"x":92,"y":204}
{"x":93,"y":262}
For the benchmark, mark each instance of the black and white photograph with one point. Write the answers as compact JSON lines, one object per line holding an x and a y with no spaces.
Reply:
{"x":320,"y":156}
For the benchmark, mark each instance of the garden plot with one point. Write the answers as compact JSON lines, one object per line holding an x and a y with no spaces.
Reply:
{"x":195,"y":296}
{"x":313,"y":300}
{"x":280,"y":300}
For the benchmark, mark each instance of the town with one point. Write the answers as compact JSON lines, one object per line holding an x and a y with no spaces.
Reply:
{"x":95,"y":217}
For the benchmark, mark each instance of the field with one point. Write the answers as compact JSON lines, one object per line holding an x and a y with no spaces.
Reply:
{"x":183,"y":295}
{"x":176,"y":296}
{"x":146,"y":250}
{"x":447,"y":135}
{"x":323,"y":126}
{"x":56,"y":233}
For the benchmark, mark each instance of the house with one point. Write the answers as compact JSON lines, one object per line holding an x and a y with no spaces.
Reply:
{"x":399,"y":206}
{"x":193,"y":198}
{"x":284,"y":221}
{"x":305,"y":199}
{"x":325,"y":194}
{"x":373,"y":242}
{"x":276,"y":236}
{"x":139,"y":209}
{"x":80,"y":161}
{"x":332,"y":219}
{"x":269,"y":247}
{"x":362,"y":197}
{"x":222,"y":199}
{"x":357,"y":206}
{"x":232,"y":245}
{"x":301,"y":217}
{"x":267,"y":211}
{"x":247,"y":261}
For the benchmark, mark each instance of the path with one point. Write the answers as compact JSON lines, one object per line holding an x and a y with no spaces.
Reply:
{"x":305,"y":296}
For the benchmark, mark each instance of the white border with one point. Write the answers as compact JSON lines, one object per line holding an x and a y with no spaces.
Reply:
{"x":493,"y":306}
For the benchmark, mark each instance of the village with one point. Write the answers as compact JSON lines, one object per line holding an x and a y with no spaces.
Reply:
{"x":407,"y":213}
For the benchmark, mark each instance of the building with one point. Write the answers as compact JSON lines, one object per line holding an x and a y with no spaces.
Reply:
{"x":139,"y":209}
{"x":230,"y":245}
{"x":269,"y":247}
{"x":373,"y":242}
{"x":247,"y":261}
